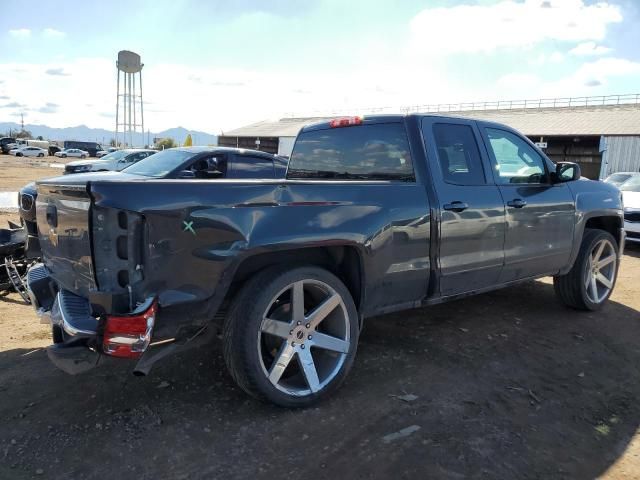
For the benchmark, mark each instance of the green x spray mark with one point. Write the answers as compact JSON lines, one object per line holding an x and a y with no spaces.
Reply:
{"x":188,"y":227}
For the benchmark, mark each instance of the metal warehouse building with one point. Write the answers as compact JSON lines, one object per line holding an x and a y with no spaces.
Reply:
{"x":602,"y":134}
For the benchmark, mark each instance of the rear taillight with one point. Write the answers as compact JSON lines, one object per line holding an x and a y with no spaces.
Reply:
{"x":128,"y":336}
{"x":345,"y":122}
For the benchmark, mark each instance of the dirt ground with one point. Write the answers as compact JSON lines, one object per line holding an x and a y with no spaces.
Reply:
{"x":508,"y":385}
{"x":15,"y":173}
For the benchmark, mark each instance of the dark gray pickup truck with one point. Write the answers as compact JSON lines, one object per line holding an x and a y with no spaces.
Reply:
{"x":376,"y":215}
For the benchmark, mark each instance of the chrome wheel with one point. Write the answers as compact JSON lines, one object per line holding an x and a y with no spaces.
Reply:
{"x":304,"y":337}
{"x":600,"y":273}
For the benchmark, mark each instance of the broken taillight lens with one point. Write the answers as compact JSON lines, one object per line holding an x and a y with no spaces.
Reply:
{"x":128,"y":336}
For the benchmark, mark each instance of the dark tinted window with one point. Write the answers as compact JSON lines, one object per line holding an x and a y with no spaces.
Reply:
{"x":515,"y":160}
{"x":458,"y":154}
{"x":211,"y":167}
{"x":246,"y":166}
{"x":375,"y":152}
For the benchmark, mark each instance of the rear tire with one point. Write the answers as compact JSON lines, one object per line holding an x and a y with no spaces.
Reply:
{"x":590,"y":282}
{"x":276,"y":321}
{"x":40,"y":155}
{"x":18,"y":154}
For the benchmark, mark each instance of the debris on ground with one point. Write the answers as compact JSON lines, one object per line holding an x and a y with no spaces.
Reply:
{"x":409,"y":397}
{"x":405,"y":432}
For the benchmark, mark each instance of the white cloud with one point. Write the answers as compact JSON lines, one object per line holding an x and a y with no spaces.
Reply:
{"x":604,"y":68}
{"x":543,"y":58}
{"x":580,"y":82}
{"x":20,"y":32}
{"x":556,"y":57}
{"x":53,"y":33}
{"x":518,"y":81}
{"x":589,"y":49}
{"x":597,"y":73}
{"x":509,"y":24}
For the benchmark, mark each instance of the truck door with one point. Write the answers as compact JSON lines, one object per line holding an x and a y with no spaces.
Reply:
{"x":540,"y":215}
{"x":471,"y":211}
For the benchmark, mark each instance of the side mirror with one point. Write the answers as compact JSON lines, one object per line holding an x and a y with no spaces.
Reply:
{"x":186,"y":174}
{"x":567,"y":172}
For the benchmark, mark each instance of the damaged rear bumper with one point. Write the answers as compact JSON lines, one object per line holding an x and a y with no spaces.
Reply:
{"x":74,"y":330}
{"x":78,"y":335}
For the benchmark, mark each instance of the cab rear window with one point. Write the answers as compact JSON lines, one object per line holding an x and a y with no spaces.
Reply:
{"x":362,"y":152}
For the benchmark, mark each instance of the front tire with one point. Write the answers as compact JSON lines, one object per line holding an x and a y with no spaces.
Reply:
{"x":290,"y":336}
{"x":40,"y":155}
{"x":83,"y":156}
{"x":590,"y":282}
{"x":64,"y":156}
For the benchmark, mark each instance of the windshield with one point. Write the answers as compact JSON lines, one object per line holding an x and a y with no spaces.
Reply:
{"x":117,"y":155}
{"x":631,"y":185}
{"x":160,"y":164}
{"x":618,"y":178}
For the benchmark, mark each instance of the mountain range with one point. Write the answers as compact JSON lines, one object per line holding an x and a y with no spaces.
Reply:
{"x":100,"y":135}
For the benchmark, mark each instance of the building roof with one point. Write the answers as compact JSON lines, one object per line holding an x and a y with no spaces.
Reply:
{"x":285,"y":127}
{"x":600,"y":120}
{"x":591,"y":120}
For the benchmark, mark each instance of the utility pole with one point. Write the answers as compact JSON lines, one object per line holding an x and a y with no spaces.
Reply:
{"x":22,"y":121}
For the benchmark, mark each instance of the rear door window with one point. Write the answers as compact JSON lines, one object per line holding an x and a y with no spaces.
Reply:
{"x":210,"y":167}
{"x":458,"y":154}
{"x":362,"y":152}
{"x":248,"y":166}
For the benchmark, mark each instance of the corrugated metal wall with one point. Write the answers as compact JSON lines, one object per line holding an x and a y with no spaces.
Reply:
{"x":622,"y":154}
{"x":286,"y":146}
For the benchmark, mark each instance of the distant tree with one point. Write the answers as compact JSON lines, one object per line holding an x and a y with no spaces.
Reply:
{"x":187,"y":141}
{"x":166,"y":143}
{"x":112,"y":142}
{"x":39,"y":137}
{"x":24,"y":134}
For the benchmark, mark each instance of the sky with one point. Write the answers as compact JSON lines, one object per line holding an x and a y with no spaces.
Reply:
{"x":216,"y":65}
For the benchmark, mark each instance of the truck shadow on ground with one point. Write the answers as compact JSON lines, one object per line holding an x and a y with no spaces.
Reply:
{"x":632,"y":249}
{"x":508,"y":385}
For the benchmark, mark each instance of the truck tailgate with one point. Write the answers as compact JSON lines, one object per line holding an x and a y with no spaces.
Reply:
{"x":62,"y":213}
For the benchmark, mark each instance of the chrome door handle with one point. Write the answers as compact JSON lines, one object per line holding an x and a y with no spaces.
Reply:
{"x":517,"y":203}
{"x":456,"y":206}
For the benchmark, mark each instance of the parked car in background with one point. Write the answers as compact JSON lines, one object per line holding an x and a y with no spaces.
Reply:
{"x":29,"y":152}
{"x":109,"y":150}
{"x":631,"y":201}
{"x":115,"y":161}
{"x":53,"y":149}
{"x":72,"y":152}
{"x":6,"y":143}
{"x":619,"y":178}
{"x":91,"y":147}
{"x":211,"y":163}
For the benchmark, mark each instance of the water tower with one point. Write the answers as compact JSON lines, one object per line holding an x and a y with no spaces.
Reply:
{"x":129,"y":107}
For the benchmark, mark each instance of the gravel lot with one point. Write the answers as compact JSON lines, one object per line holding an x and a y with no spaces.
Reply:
{"x":16,"y":172}
{"x":507,"y":385}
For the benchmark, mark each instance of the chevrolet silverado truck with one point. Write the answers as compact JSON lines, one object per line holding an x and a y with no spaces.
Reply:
{"x":375,"y":215}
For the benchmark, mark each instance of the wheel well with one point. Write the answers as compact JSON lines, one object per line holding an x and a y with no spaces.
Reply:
{"x":343,"y":261}
{"x":608,"y":224}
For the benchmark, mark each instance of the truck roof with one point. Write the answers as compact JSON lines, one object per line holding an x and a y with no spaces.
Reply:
{"x":390,"y":118}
